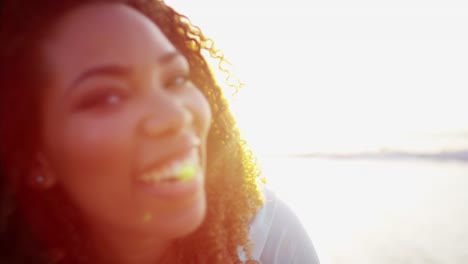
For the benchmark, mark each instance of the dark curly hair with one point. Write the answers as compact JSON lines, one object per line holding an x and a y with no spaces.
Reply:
{"x":44,"y":227}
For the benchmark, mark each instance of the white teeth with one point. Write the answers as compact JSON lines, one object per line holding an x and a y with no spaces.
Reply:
{"x":171,"y":171}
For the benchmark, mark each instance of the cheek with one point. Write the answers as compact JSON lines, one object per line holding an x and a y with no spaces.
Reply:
{"x":202,"y":112}
{"x":92,"y":157}
{"x":202,"y":118}
{"x":98,"y":146}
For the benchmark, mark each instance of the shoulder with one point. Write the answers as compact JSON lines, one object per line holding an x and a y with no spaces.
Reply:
{"x":278,"y":236}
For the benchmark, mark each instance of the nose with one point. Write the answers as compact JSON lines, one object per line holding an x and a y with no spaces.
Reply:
{"x":165,"y":115}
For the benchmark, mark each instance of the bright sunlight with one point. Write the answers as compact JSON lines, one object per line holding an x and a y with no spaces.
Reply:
{"x":369,"y":99}
{"x":343,"y":78}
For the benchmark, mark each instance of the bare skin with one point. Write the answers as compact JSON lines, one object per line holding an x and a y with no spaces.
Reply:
{"x":119,"y":101}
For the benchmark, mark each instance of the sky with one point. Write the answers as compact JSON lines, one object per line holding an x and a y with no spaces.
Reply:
{"x":344,"y":76}
{"x":352,"y":76}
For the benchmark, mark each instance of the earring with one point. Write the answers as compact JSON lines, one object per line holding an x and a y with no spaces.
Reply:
{"x":37,"y":181}
{"x":40,"y":179}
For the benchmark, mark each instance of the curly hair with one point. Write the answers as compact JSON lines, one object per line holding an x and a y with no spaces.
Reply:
{"x":44,"y":227}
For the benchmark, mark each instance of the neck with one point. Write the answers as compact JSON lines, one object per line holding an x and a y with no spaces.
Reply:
{"x":124,"y":248}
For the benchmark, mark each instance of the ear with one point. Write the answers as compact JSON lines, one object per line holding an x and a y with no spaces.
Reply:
{"x":42,"y":176}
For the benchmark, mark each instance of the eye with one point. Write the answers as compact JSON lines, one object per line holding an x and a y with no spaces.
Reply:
{"x":178,"y":81}
{"x":103,"y":98}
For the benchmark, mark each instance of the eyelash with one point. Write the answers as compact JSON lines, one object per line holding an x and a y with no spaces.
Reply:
{"x":104,"y":98}
{"x":107,"y":97}
{"x":178,"y":81}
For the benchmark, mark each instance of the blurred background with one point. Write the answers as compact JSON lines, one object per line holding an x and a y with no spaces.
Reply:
{"x":357,"y":111}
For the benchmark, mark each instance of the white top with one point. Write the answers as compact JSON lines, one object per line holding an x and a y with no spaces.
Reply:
{"x":278,"y":236}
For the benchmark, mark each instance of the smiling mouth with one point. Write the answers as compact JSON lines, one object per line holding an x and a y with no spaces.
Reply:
{"x":182,"y":169}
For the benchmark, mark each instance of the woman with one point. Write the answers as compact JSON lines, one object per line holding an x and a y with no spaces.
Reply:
{"x":117,"y":145}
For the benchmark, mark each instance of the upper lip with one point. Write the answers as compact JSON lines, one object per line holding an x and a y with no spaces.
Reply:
{"x":171,"y":150}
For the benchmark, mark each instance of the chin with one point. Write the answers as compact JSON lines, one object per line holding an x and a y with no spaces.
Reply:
{"x":184,"y":222}
{"x":192,"y":221}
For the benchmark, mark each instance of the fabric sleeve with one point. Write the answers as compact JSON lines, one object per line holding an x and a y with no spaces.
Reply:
{"x":278,"y":235}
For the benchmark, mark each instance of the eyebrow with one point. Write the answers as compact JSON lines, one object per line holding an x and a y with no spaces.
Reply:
{"x":120,"y":70}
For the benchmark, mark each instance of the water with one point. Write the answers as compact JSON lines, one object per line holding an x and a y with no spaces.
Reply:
{"x":377,"y":211}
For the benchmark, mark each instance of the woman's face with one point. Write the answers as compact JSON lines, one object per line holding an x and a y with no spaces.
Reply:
{"x":124,"y":130}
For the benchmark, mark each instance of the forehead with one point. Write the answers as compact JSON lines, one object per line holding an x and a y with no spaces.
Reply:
{"x":103,"y":32}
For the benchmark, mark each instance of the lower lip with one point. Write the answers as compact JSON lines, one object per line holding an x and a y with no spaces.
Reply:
{"x":172,"y":190}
